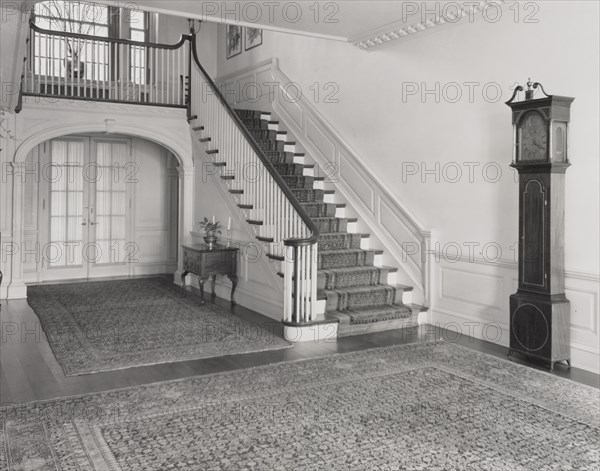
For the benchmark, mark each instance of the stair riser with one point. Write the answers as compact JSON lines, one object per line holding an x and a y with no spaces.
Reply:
{"x":342,"y":280}
{"x":345,"y":260}
{"x":272,"y":146}
{"x":301,"y":183}
{"x":322,"y":210}
{"x":347,"y":330}
{"x":332,"y":225}
{"x":340,"y":242}
{"x":264,"y":135}
{"x":280,"y":157}
{"x":309,"y":196}
{"x":339,"y":301}
{"x":290,"y":169}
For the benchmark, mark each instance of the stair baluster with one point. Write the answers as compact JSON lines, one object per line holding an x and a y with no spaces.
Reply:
{"x":284,"y":220}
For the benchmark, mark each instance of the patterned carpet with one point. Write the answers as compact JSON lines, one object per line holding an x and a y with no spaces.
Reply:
{"x":111,"y":325}
{"x":412,"y":407}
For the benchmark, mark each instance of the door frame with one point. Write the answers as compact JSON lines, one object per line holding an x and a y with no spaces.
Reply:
{"x":89,"y":269}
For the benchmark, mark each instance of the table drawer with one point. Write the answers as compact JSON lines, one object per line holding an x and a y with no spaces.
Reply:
{"x":206,"y":263}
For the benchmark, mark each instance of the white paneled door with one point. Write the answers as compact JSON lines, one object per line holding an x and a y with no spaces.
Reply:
{"x":86,"y":202}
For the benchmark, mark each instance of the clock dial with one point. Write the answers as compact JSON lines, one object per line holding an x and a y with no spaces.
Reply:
{"x":534,"y":138}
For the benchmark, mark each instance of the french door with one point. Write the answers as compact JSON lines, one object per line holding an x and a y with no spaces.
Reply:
{"x":86,"y":209}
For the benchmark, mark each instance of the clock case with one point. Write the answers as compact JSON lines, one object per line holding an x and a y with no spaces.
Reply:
{"x":539,"y":310}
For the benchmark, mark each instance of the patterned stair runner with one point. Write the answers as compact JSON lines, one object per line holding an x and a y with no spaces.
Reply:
{"x":346,"y":273}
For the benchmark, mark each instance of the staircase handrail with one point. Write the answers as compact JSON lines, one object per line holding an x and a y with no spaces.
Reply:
{"x":314,"y":238}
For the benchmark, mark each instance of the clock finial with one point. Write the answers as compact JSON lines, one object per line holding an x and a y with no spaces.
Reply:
{"x":529,"y":91}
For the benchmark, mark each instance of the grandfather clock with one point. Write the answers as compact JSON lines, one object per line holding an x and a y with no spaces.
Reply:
{"x":539,"y":310}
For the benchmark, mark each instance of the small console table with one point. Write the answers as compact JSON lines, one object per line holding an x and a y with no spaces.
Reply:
{"x":205,"y":264}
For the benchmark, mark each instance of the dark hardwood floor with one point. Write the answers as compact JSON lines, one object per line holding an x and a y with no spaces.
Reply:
{"x":29,"y":371}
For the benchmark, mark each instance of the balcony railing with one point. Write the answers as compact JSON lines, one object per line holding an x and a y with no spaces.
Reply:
{"x":77,"y":66}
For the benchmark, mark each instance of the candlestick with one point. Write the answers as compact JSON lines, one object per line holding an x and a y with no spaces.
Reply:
{"x":214,"y":219}
{"x":229,"y":224}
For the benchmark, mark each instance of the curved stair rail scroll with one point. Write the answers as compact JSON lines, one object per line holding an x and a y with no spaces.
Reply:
{"x":283,"y":223}
{"x":84,"y":67}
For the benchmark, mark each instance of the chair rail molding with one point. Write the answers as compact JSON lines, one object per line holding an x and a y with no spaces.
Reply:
{"x":404,"y":237}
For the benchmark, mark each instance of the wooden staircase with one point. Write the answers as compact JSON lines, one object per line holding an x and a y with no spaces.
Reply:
{"x":354,"y":289}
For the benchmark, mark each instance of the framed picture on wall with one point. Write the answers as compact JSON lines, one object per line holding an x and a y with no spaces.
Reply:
{"x":233,"y":41}
{"x":254,"y":37}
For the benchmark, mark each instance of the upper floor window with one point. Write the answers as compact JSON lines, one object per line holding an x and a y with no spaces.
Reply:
{"x":77,"y":17}
{"x":138,"y":26}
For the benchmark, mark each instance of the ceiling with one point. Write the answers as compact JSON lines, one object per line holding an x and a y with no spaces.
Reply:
{"x":366,"y":23}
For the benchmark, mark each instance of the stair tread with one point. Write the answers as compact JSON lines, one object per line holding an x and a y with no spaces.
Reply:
{"x":364,"y":288}
{"x":347,"y":270}
{"x":335,"y":251}
{"x":351,"y":234}
{"x":373,"y":314}
{"x":419,"y":307}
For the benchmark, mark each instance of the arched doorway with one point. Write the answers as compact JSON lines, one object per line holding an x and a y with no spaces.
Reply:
{"x":99,"y":205}
{"x":149,"y":131}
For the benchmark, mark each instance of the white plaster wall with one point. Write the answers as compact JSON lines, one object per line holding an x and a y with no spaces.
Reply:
{"x":170,"y":29}
{"x":396,"y":133}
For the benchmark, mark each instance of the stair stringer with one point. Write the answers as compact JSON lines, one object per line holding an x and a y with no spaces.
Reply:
{"x":257,"y":298}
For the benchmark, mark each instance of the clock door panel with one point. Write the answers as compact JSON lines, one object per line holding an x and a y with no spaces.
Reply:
{"x":533,"y":234}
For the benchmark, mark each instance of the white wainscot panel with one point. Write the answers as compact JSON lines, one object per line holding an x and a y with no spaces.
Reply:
{"x":357,"y":183}
{"x":396,"y":229}
{"x":292,"y":112}
{"x":152,"y":246}
{"x":32,"y":253}
{"x":584,"y":313}
{"x":473,"y":292}
{"x":321,"y":142}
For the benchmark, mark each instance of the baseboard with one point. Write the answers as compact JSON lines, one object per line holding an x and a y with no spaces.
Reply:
{"x":154,"y":268}
{"x":582,"y":356}
{"x":248,"y":298}
{"x":15,"y":291}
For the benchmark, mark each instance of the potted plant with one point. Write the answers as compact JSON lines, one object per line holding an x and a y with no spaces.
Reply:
{"x":211,"y":231}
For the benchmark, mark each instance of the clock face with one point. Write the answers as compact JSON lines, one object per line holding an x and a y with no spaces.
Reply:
{"x":533,"y":144}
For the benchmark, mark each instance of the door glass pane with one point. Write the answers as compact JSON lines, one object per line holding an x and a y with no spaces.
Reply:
{"x":111,"y":202}
{"x":66,"y":204}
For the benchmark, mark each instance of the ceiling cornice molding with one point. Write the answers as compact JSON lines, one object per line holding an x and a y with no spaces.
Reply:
{"x":392,"y":33}
{"x":164,"y":10}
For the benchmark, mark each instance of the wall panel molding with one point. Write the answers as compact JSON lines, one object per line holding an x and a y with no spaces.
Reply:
{"x":464,"y":284}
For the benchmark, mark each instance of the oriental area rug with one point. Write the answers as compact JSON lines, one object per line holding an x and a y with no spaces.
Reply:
{"x":421,"y":406}
{"x":110,"y":325}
